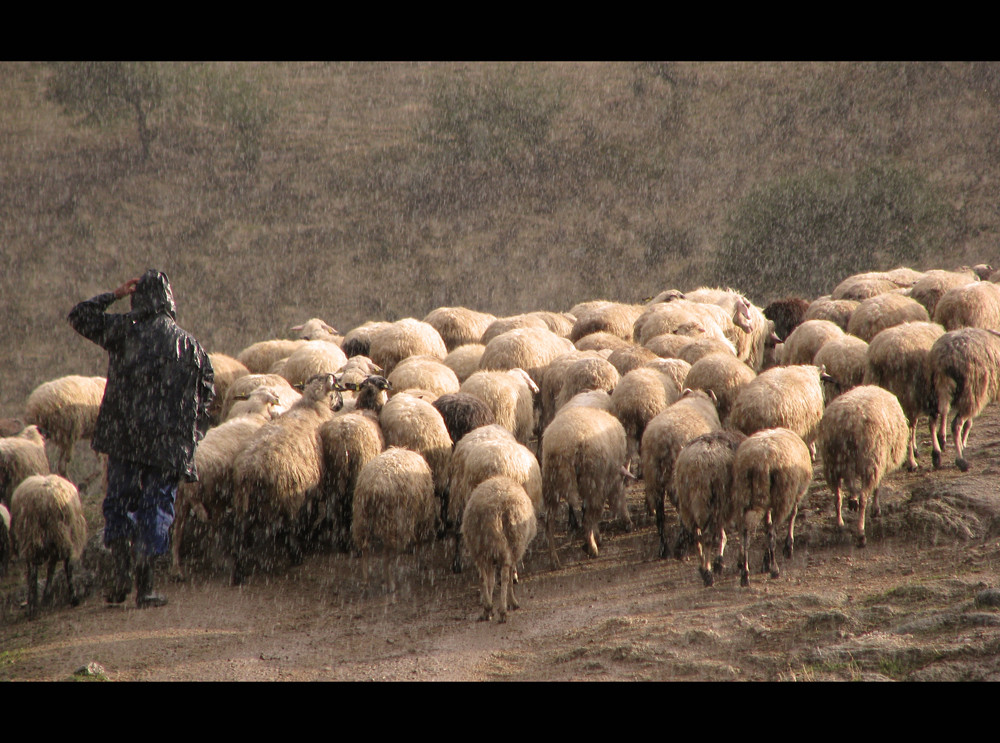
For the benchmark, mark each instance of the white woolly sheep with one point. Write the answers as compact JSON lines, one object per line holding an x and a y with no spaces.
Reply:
{"x":65,"y":410}
{"x":929,"y":290}
{"x":424,"y":372}
{"x":863,"y":437}
{"x":601,"y":341}
{"x":316,"y":329}
{"x":975,"y":305}
{"x":358,"y":341}
{"x":669,"y":345}
{"x":531,"y":349}
{"x":274,"y":475}
{"x":844,"y":360}
{"x":211,"y":495}
{"x":227,"y":370}
{"x":21,"y":456}
{"x":583,"y":453}
{"x":510,"y":395}
{"x":498,"y":525}
{"x":965,"y":372}
{"x":883,"y":311}
{"x":771,"y":474}
{"x":394,"y":507}
{"x":631,"y":357}
{"x":312,"y":358}
{"x":837,"y":311}
{"x":724,"y":375}
{"x":781,"y":397}
{"x":513,"y":322}
{"x":641,"y":395}
{"x":552,"y":379}
{"x":406,"y":337}
{"x":241,"y":389}
{"x":862,"y":286}
{"x":612,"y":317}
{"x":690,"y":416}
{"x":703,"y":481}
{"x":47,"y":525}
{"x":587,"y":374}
{"x":598,"y":399}
{"x":559,"y":323}
{"x":411,"y":423}
{"x":897,"y":361}
{"x":801,"y":346}
{"x":748,"y":329}
{"x":260,"y":357}
{"x":459,"y":325}
{"x":464,"y":360}
{"x":684,"y":317}
{"x":486,"y":452}
{"x":676,"y":370}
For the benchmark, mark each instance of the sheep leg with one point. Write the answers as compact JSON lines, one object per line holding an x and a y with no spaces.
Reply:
{"x":838,"y":504}
{"x":960,"y":428}
{"x":74,"y":598}
{"x":911,"y":462}
{"x":181,"y":511}
{"x":590,"y":530}
{"x":660,"y":507}
{"x":790,"y":539}
{"x":703,"y":568}
{"x":771,"y":542}
{"x":966,"y":429}
{"x":32,"y":581}
{"x":456,"y":564}
{"x":939,"y":428}
{"x":487,"y":576}
{"x":621,"y":507}
{"x":505,"y":591}
{"x":861,"y":518}
{"x":745,"y":554}
{"x":682,"y":542}
{"x":876,"y":508}
{"x":49,"y":572}
{"x":717,"y":564}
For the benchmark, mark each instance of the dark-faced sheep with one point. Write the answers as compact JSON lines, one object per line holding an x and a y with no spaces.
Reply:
{"x":897,"y":361}
{"x":863,"y":437}
{"x":463,"y":413}
{"x":394,"y":508}
{"x":498,"y":525}
{"x":358,"y":341}
{"x":703,"y":480}
{"x":47,"y":525}
{"x":583,"y":453}
{"x":965,"y":372}
{"x":65,"y":410}
{"x":786,"y":314}
{"x":771,"y":474}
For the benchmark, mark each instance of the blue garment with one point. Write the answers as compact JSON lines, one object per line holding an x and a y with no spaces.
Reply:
{"x":139,"y":506}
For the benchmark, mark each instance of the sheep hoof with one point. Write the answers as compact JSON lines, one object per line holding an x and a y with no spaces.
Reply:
{"x":718,"y":566}
{"x":502,"y":619}
{"x":706,"y":576}
{"x":775,"y":573}
{"x":789,"y":549}
{"x":912,"y":466}
{"x":485,"y":616}
{"x":962,"y":464}
{"x":936,"y":459}
{"x":862,"y":540}
{"x":744,"y":578}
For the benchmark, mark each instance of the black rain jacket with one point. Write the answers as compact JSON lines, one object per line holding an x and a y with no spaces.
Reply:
{"x":160,"y":380}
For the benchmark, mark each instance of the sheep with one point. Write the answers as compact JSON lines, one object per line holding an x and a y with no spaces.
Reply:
{"x":498,"y":525}
{"x":411,"y":423}
{"x":724,"y":375}
{"x":904,"y":277}
{"x":897,"y":361}
{"x":748,"y":329}
{"x":241,"y":389}
{"x":786,"y":314}
{"x":669,"y":345}
{"x":514,"y":322}
{"x":358,"y":341}
{"x":347,"y":443}
{"x":601,"y":340}
{"x":21,"y":456}
{"x":844,"y":361}
{"x":883,"y":311}
{"x":929,"y":290}
{"x":394,"y":507}
{"x":598,"y":399}
{"x":311,"y":358}
{"x":801,"y":345}
{"x":463,"y":413}
{"x":863,"y":437}
{"x":65,"y":410}
{"x":583,"y":453}
{"x":486,"y":452}
{"x":782,"y":397}
{"x":260,"y":357}
{"x":631,"y":357}
{"x":692,"y":415}
{"x":676,"y":370}
{"x":357,"y":369}
{"x":424,"y":372}
{"x":614,"y":318}
{"x":587,"y":374}
{"x":703,"y":481}
{"x":552,"y":380}
{"x":316,"y":329}
{"x":772,"y":470}
{"x":406,"y":337}
{"x":211,"y":495}
{"x":531,"y":349}
{"x":274,"y":475}
{"x":459,"y":325}
{"x":559,"y":323}
{"x":699,"y":348}
{"x":47,"y":524}
{"x":227,"y":370}
{"x":695,"y":318}
{"x":837,"y":311}
{"x":640,"y":396}
{"x":965,"y":372}
{"x":974,"y":305}
{"x":464,"y":360}
{"x":863,"y":286}
{"x":510,"y":395}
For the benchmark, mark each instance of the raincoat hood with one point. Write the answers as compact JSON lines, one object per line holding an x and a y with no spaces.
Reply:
{"x":153,"y":296}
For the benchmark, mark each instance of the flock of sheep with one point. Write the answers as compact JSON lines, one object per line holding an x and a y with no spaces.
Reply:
{"x":471,"y":427}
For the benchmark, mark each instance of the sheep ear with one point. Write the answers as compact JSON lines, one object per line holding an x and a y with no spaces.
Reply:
{"x":297,"y":328}
{"x":330,"y":329}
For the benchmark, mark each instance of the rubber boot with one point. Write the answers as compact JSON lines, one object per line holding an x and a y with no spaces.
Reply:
{"x":144,"y":595}
{"x":121,"y":579}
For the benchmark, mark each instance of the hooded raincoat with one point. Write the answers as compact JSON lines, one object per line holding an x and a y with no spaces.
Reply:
{"x":160,"y":381}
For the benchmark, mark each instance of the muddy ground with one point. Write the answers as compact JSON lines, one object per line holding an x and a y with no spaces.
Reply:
{"x":920,"y":602}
